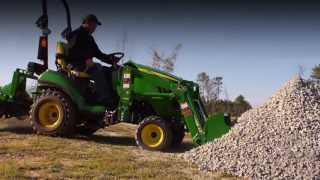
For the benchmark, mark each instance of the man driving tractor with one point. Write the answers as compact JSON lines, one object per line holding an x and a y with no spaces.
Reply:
{"x":82,"y":48}
{"x":64,"y":103}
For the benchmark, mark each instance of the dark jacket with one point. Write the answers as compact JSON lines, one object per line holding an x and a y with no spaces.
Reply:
{"x":82,"y":46}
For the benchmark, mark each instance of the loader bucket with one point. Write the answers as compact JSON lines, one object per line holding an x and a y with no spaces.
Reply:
{"x":216,"y":126}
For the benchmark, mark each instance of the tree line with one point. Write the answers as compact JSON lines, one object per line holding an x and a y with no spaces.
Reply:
{"x":210,"y":87}
{"x":316,"y":72}
{"x":210,"y":91}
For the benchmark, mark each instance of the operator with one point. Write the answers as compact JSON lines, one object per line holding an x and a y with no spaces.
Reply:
{"x":82,"y":48}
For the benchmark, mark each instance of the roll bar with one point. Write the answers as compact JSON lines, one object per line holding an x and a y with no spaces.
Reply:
{"x":68,"y":30}
{"x":43,"y":24}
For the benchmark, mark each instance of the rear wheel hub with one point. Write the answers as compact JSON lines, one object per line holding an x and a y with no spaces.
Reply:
{"x":50,"y":114}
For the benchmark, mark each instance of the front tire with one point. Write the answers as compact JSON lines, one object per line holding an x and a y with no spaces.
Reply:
{"x":154,"y":134}
{"x":53,"y":114}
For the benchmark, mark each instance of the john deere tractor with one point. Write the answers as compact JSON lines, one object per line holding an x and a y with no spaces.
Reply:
{"x":63,"y":104}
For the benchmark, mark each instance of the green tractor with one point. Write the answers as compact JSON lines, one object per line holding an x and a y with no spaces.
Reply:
{"x":162,"y":105}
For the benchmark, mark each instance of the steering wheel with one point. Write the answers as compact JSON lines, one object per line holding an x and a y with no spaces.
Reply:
{"x":117,"y":55}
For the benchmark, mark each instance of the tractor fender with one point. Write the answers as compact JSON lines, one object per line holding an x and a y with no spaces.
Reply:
{"x":49,"y":85}
{"x":52,"y":79}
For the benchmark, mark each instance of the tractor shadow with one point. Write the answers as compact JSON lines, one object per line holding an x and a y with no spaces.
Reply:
{"x":17,"y":130}
{"x":15,"y":126}
{"x":101,"y":139}
{"x":114,"y":137}
{"x":130,"y":141}
{"x":109,"y":140}
{"x":183,"y":147}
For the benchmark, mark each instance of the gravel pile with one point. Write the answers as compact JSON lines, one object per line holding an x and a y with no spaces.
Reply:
{"x":279,"y":140}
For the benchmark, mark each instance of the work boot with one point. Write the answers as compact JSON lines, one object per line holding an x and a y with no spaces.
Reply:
{"x":109,"y":118}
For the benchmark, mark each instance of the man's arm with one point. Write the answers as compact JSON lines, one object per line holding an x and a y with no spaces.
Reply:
{"x":102,"y":56}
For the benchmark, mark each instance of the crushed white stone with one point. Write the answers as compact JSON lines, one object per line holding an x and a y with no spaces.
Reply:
{"x":278,"y":140}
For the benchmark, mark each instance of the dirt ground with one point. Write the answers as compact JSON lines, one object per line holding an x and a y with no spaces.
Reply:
{"x":110,"y":154}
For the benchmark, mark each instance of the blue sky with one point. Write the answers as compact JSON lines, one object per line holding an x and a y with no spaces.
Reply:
{"x":253,"y":51}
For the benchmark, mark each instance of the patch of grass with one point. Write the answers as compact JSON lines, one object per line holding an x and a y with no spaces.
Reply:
{"x":9,"y":170}
{"x":56,"y":168}
{"x":227,"y":175}
{"x":13,"y":149}
{"x":47,"y":143}
{"x":28,"y":156}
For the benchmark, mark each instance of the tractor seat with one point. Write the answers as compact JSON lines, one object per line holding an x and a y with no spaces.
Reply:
{"x":61,"y":64}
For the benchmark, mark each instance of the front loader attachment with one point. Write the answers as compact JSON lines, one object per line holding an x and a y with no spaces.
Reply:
{"x":203,"y":128}
{"x":216,"y":126}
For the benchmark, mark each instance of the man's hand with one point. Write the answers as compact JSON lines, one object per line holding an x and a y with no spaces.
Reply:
{"x":89,"y":63}
{"x":110,"y":58}
{"x":115,"y":65}
{"x":114,"y":59}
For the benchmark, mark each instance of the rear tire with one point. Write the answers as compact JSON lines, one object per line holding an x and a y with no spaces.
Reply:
{"x":53,"y":114}
{"x":154,"y":134}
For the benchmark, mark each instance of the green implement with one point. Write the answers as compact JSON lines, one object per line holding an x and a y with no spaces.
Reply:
{"x":14,"y":100}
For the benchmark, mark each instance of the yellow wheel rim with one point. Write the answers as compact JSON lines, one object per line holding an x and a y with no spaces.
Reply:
{"x":50,"y":114}
{"x":152,"y":135}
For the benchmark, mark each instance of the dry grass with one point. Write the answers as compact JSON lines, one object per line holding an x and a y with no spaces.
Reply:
{"x":110,"y":154}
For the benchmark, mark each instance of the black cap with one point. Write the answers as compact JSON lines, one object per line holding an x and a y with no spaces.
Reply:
{"x":91,"y":18}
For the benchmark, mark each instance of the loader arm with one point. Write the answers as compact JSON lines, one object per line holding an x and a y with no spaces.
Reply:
{"x":202,"y":128}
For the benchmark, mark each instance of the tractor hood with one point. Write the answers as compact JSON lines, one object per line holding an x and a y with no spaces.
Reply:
{"x":153,"y":71}
{"x":190,"y":85}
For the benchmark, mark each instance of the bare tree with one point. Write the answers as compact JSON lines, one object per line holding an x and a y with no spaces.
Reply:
{"x":226,"y":94}
{"x":301,"y":70}
{"x":156,"y":60}
{"x":167,"y":64}
{"x":124,"y":44}
{"x":218,"y":86}
{"x":210,"y":88}
{"x":203,"y":80}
